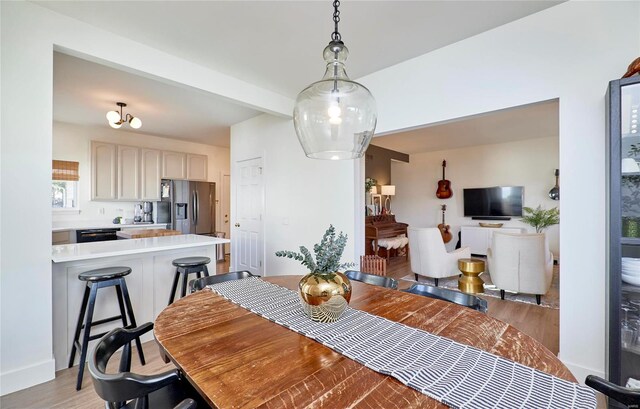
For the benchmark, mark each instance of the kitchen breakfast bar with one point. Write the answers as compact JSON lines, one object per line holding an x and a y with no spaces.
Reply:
{"x":149,"y":283}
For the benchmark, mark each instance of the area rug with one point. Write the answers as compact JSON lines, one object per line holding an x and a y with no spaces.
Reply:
{"x":549,"y":300}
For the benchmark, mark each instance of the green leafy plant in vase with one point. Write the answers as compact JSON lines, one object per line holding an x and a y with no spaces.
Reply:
{"x":540,"y":218}
{"x":325,"y":292}
{"x":369,"y":183}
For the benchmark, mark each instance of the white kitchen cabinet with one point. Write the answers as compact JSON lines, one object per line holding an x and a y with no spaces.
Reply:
{"x":131,"y":173}
{"x":150,"y":174}
{"x":128,"y":173}
{"x":174,"y":165}
{"x":197,"y":167}
{"x":103,"y":171}
{"x":479,"y":238}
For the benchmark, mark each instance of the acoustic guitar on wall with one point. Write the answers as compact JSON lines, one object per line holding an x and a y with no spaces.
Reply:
{"x":445,"y":229}
{"x":444,"y":186}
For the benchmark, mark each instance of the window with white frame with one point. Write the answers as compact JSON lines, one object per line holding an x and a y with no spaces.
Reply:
{"x":64,"y":186}
{"x":64,"y":194}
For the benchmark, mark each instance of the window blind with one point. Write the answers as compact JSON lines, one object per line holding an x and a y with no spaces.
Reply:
{"x":65,"y":170}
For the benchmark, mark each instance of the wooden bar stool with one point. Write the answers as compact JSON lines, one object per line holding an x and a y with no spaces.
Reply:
{"x":184,"y":267}
{"x":97,"y":279}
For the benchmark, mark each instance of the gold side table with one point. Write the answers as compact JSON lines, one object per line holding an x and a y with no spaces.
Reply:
{"x":471,"y":269}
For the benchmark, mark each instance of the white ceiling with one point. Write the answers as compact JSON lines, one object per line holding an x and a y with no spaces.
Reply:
{"x":273,"y":44}
{"x":83,"y":92}
{"x":278,"y":44}
{"x":515,"y":124}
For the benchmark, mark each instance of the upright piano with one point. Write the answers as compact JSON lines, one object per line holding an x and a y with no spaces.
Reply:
{"x":383,"y":226}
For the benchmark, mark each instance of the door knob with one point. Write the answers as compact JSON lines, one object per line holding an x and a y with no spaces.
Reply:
{"x":237,"y":224}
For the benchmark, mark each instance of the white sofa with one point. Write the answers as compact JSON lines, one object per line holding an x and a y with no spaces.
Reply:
{"x":520,"y":263}
{"x":429,"y":257}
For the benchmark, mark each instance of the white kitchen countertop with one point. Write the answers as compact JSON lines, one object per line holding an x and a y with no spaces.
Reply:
{"x":86,"y":251}
{"x":89,"y":224}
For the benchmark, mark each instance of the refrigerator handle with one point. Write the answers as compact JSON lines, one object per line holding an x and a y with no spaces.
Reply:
{"x":194,"y":214}
{"x":172,"y":203}
{"x":197,"y":206}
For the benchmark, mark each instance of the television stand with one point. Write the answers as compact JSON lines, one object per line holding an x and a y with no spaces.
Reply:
{"x":479,"y":238}
{"x":491,"y":218}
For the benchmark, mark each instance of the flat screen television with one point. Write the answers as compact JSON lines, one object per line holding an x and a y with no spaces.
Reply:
{"x":499,"y":201}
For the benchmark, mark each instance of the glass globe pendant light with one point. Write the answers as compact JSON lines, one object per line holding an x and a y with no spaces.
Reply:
{"x":335,"y":118}
{"x":113,"y":116}
{"x":116,"y":119}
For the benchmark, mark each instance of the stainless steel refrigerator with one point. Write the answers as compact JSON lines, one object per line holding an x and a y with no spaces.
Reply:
{"x":192,"y":206}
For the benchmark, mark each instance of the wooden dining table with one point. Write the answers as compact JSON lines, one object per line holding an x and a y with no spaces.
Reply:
{"x":237,"y":359}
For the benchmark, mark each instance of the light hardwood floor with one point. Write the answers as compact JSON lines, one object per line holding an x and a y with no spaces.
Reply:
{"x":538,"y":322}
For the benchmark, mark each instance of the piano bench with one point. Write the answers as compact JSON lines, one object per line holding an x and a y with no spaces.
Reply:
{"x":395,"y":243}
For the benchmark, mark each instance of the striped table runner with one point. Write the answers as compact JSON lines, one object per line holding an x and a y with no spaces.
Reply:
{"x":455,"y":374}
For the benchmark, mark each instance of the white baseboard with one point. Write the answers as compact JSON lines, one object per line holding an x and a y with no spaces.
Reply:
{"x":27,"y":376}
{"x":581,"y":372}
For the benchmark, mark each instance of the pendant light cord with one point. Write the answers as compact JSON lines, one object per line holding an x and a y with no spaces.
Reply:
{"x":335,"y":36}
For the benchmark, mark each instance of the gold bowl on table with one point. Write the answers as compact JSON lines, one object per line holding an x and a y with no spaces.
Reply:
{"x":324,"y":297}
{"x":495,"y":225}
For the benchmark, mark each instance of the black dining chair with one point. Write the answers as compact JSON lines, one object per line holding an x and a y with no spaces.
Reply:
{"x":133,"y":391}
{"x":372,"y":279}
{"x":466,"y":300}
{"x":200,"y":283}
{"x":627,"y":396}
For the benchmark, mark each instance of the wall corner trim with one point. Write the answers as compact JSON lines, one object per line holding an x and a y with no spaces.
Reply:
{"x":581,"y":372}
{"x":27,"y":376}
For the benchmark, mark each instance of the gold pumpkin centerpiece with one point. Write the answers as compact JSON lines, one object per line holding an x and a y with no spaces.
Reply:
{"x":324,"y":292}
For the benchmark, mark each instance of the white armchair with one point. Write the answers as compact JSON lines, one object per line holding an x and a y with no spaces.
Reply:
{"x":429,"y":257}
{"x":520,"y":263}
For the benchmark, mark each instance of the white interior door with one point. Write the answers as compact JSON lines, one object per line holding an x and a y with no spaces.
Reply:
{"x":247,"y":231}
{"x":225,"y":209}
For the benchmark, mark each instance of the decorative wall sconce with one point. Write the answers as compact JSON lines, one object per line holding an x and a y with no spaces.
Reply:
{"x":554,"y":193}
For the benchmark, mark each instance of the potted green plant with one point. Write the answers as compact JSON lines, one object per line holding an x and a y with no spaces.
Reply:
{"x":325,"y":292}
{"x":368,"y":184}
{"x":540,"y":218}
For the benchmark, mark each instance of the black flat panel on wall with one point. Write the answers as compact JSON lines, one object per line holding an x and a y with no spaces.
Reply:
{"x":497,"y":201}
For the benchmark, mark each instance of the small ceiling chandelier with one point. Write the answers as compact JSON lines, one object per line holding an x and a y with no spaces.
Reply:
{"x":335,"y":117}
{"x":116,"y":119}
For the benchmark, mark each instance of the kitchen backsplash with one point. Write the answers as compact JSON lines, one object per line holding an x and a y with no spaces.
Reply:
{"x":102,"y":211}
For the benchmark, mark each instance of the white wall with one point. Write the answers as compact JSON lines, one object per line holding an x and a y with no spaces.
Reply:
{"x":302,"y":196}
{"x":25,"y":157}
{"x":73,"y":142}
{"x":29,"y":34}
{"x":570,"y":51}
{"x":529,"y":163}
